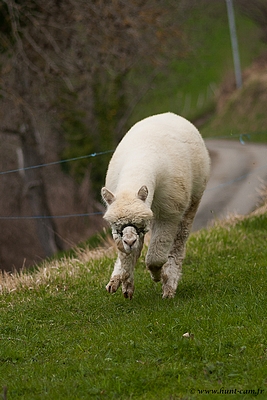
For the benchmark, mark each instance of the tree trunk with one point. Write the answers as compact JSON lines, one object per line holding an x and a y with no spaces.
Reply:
{"x":36,"y":193}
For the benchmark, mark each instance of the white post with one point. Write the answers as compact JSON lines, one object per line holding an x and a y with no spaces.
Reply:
{"x":231,"y":20}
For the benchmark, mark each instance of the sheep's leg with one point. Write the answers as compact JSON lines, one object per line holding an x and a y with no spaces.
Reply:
{"x":172,"y":269}
{"x":123,"y":272}
{"x":127,"y":278}
{"x":162,"y":234}
{"x":115,"y":279}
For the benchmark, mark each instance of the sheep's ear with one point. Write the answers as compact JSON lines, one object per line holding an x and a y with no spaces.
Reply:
{"x":107,"y":196}
{"x":142,"y":193}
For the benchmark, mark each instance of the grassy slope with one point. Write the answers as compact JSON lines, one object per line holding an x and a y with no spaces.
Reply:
{"x":187,"y":88}
{"x":63,"y":337}
{"x":244,"y":112}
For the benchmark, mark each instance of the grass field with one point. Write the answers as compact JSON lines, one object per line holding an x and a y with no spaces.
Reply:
{"x":62,"y":336}
{"x":189,"y":85}
{"x":244,"y":112}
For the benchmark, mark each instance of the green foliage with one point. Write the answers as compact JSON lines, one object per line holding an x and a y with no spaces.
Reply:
{"x":75,"y":130}
{"x":109,"y":106}
{"x":83,"y":136}
{"x":72,"y":340}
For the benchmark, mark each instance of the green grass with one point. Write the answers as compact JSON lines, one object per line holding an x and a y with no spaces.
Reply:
{"x":64,"y":337}
{"x":244,"y":113}
{"x":189,"y":84}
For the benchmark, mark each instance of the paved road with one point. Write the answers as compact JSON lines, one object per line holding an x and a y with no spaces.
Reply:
{"x":237,"y":173}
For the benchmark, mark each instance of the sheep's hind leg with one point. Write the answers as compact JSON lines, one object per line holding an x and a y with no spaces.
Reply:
{"x":172,"y":269}
{"x":171,"y":274}
{"x":161,"y":241}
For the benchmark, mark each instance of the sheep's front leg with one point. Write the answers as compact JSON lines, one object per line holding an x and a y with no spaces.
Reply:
{"x":123,"y":273}
{"x":128,"y":261}
{"x":116,"y":276}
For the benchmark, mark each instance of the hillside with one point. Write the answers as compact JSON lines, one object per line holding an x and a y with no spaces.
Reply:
{"x":64,"y":337}
{"x":192,"y":86}
{"x":242,"y":111}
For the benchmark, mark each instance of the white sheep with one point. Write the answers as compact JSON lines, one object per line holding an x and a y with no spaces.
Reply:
{"x":155,"y":180}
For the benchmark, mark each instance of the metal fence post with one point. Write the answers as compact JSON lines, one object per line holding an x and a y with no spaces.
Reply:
{"x":231,"y":20}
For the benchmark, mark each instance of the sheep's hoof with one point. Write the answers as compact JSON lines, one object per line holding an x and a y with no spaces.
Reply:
{"x":113,"y":284}
{"x":128,"y":295}
{"x":168,"y":292}
{"x":128,"y":290}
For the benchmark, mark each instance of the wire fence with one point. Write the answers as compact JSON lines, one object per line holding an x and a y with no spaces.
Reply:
{"x":55,"y":162}
{"x":242,"y":139}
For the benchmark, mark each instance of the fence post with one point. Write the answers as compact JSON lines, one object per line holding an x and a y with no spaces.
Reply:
{"x":231,"y":20}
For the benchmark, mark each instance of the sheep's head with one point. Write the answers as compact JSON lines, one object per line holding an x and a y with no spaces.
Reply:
{"x":128,"y":238}
{"x":129,"y":217}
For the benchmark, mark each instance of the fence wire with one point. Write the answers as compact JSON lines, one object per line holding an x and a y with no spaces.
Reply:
{"x":242,"y":139}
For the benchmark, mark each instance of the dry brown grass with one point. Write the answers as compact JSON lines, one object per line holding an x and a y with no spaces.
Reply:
{"x":262,"y":205}
{"x":52,"y":271}
{"x":243,"y":110}
{"x":56,"y":270}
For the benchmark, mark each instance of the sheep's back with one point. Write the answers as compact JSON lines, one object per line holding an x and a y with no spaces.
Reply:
{"x":166,"y":153}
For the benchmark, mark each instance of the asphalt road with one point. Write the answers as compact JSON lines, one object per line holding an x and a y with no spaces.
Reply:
{"x":237,"y":174}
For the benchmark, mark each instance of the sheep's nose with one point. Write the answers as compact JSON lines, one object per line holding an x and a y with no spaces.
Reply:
{"x":129,"y":241}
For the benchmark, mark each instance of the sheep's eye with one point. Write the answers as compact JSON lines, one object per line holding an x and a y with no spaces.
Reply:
{"x":140,"y":230}
{"x":117,"y":231}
